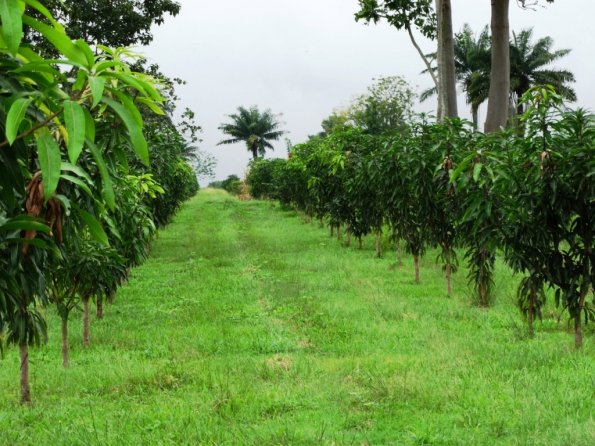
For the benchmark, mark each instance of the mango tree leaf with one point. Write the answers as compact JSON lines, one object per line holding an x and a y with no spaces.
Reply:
{"x":95,"y":229}
{"x":108,"y":188}
{"x":59,"y":40}
{"x":24,"y":223}
{"x":80,"y":183}
{"x":74,"y":118}
{"x":15,"y":117}
{"x":50,"y":161}
{"x":12,"y":24}
{"x":139,"y":143}
{"x":89,"y":126}
{"x":97,"y":85}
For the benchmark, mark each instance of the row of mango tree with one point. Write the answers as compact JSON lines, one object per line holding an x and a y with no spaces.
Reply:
{"x":80,"y":135}
{"x":527,"y":193}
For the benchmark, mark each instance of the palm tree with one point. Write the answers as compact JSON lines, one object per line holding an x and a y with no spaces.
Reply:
{"x":528,"y":67}
{"x":254,"y":128}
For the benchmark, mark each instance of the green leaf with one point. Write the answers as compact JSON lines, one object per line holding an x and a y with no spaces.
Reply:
{"x":476,"y":171}
{"x":67,"y":167}
{"x":12,"y":24}
{"x":44,"y":11}
{"x":152,"y":105}
{"x":80,"y":183}
{"x":50,"y":161}
{"x":87,"y":51}
{"x":24,"y":223}
{"x":15,"y":117}
{"x":59,"y":40}
{"x":108,"y":188}
{"x":139,"y":144}
{"x":89,"y":126}
{"x":95,"y":229}
{"x":97,"y":85}
{"x":74,"y":118}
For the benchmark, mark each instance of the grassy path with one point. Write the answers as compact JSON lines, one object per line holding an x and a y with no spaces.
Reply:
{"x":249,"y":326}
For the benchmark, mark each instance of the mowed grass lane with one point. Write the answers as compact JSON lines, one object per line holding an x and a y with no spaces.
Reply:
{"x":249,"y":326}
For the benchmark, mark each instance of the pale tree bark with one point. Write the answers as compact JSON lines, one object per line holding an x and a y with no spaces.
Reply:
{"x":378,"y":243}
{"x":429,"y":67}
{"x":86,"y":322}
{"x":498,"y":101}
{"x":440,"y":85}
{"x":416,"y":264}
{"x":446,"y":51}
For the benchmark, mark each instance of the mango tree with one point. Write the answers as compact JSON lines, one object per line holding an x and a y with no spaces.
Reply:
{"x":48,"y":125}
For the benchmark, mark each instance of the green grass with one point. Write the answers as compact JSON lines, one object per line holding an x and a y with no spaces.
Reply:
{"x":249,"y":326}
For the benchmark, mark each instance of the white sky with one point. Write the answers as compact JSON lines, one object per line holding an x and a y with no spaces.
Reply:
{"x":303,"y":58}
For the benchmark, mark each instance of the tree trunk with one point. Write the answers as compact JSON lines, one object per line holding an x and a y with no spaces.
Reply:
{"x":348,"y":236}
{"x":360,"y":243}
{"x":378,"y":246}
{"x":332,"y":230}
{"x":448,"y":273}
{"x":416,"y":264}
{"x":99,"y":303}
{"x":475,"y":116}
{"x":531,"y":314}
{"x":440,"y":86}
{"x":399,"y":254}
{"x":339,"y":234}
{"x":578,"y":330}
{"x":86,"y":322}
{"x":65,"y":349}
{"x":446,"y":68}
{"x":25,"y":387}
{"x":498,"y":100}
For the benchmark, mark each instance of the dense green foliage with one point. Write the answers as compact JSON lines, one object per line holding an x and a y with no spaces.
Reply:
{"x":444,"y":185}
{"x":78,"y":206}
{"x":248,"y":326}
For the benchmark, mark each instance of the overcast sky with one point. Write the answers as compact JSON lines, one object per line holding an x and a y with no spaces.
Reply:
{"x":303,"y":58}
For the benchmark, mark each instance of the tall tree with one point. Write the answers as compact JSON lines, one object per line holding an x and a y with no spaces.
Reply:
{"x":93,"y":20}
{"x":498,"y":100}
{"x":257,"y":129}
{"x":447,"y":88}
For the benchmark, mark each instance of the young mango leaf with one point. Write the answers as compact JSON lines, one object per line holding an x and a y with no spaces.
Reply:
{"x":67,"y":167}
{"x":50,"y":161}
{"x":95,"y":229}
{"x":108,"y":188}
{"x":74,"y":117}
{"x":139,"y":143}
{"x":12,"y":24}
{"x":15,"y":117}
{"x":97,"y":85}
{"x":87,"y":51}
{"x":59,"y":40}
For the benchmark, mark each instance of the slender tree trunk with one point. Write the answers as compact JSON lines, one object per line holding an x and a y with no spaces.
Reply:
{"x":348,"y":236}
{"x":531,"y":313}
{"x":416,"y":264}
{"x":65,"y":347}
{"x":86,"y":322}
{"x":360,"y":243}
{"x":332,"y":230}
{"x":440,"y":86}
{"x":378,"y":245}
{"x":447,"y":60}
{"x":399,"y":253}
{"x":578,"y":330}
{"x":339,"y":234}
{"x":475,"y":116}
{"x":500,"y":75}
{"x":321,"y":222}
{"x":25,"y":387}
{"x":99,"y":303}
{"x":483,"y":293}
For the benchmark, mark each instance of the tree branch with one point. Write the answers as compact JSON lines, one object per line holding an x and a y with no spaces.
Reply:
{"x":423,"y":56}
